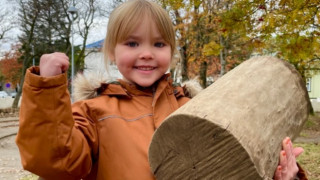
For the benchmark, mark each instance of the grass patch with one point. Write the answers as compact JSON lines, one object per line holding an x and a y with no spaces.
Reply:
{"x":303,"y":134}
{"x":309,"y":124}
{"x":310,"y":159}
{"x":30,"y":177}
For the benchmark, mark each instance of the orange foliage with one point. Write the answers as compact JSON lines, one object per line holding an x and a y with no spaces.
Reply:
{"x":10,"y":68}
{"x":213,"y":70}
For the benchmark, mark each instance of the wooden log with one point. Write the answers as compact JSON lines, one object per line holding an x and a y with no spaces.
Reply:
{"x":233,"y":129}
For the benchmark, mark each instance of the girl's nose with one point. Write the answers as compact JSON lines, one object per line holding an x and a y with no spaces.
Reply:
{"x":146,"y":53}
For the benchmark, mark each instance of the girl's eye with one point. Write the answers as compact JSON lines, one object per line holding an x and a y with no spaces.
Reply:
{"x":159,"y":44}
{"x":132,"y":44}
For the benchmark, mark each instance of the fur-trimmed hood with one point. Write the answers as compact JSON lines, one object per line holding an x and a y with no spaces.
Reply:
{"x":87,"y":86}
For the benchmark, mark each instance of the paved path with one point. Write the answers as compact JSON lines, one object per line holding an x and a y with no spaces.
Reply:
{"x":8,"y":126}
{"x":307,"y":140}
{"x":10,"y":165}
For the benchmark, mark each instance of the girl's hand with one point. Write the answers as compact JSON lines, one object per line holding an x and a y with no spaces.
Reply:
{"x":287,"y":168}
{"x":53,"y":64}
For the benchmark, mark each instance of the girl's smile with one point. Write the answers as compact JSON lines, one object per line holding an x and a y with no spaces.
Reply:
{"x":145,"y":69}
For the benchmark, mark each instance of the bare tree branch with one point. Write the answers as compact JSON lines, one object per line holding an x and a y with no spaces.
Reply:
{"x":6,"y":23}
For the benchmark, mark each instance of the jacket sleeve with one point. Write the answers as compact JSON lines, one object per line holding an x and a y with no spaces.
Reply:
{"x":54,"y":143}
{"x":301,"y":173}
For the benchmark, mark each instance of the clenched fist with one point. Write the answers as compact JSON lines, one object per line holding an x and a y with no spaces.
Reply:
{"x":53,"y":64}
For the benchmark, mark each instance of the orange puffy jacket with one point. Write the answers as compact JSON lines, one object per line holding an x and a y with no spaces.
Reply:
{"x":106,"y":137}
{"x":103,"y":138}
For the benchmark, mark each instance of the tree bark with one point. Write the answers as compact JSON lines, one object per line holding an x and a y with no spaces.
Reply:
{"x":184,"y":64}
{"x":16,"y":100}
{"x":222,"y":60}
{"x":203,"y":74}
{"x":233,"y":129}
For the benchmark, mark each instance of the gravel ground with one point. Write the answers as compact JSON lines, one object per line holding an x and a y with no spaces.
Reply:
{"x":10,"y":165}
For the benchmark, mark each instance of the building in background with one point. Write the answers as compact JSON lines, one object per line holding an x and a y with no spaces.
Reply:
{"x":94,"y":62}
{"x":313,"y":87}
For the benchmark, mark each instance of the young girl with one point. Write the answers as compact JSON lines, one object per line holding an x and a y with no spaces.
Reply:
{"x":107,"y":137}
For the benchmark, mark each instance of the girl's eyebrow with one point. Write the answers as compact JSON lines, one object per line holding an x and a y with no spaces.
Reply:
{"x":159,"y":38}
{"x":132,"y":36}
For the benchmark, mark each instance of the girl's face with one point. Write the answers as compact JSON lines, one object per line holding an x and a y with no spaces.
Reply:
{"x":144,"y":56}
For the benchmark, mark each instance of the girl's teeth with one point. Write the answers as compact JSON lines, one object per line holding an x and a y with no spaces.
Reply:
{"x":145,"y":68}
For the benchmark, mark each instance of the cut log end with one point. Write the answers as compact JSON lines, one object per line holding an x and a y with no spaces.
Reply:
{"x":193,"y":148}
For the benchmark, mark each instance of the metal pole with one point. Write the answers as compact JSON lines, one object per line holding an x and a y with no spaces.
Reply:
{"x":72,"y":56}
{"x":33,"y":60}
{"x":72,"y":10}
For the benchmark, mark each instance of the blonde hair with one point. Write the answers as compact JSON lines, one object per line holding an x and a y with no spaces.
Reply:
{"x":128,"y":15}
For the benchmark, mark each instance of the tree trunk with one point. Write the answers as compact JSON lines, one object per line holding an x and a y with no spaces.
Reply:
{"x":184,"y":64}
{"x":222,"y":60}
{"x":234,"y":128}
{"x":16,"y":100}
{"x":203,"y":74}
{"x":25,"y":66}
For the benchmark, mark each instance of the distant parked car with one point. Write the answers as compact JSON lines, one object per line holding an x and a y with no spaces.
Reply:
{"x":3,"y":94}
{"x":13,"y":94}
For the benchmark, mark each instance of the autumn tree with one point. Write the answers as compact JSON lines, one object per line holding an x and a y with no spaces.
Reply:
{"x":10,"y":68}
{"x":291,"y":29}
{"x":181,"y":31}
{"x":213,"y":36}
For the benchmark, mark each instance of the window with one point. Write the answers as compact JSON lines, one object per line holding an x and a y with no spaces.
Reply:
{"x":308,"y":84}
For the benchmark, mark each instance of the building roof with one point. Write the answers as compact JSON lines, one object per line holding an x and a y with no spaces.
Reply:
{"x":97,"y":44}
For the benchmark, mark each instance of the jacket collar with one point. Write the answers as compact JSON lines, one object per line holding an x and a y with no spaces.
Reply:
{"x":93,"y":85}
{"x":123,"y":88}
